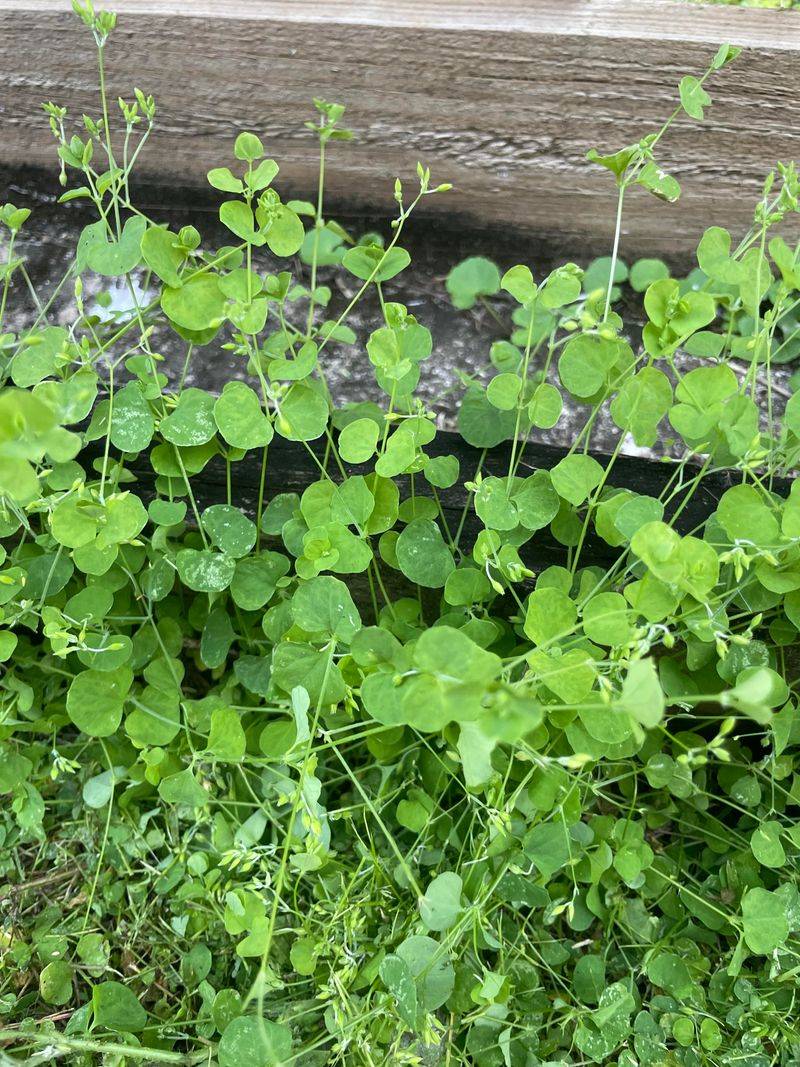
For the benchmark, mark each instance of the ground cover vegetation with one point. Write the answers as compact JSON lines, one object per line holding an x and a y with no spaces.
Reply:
{"x":485,"y":813}
{"x":782,"y":5}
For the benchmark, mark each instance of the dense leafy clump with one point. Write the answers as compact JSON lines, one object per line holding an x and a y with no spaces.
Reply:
{"x":343,"y":773}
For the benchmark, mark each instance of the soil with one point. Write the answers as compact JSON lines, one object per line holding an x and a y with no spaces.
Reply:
{"x":462,"y":339}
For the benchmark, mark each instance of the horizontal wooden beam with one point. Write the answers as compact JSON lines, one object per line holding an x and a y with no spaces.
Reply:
{"x":502,"y":98}
{"x":293,"y":467}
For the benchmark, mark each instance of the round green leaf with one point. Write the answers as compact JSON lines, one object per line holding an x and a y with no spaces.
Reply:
{"x":422,"y":554}
{"x":470,"y":279}
{"x":95,"y":700}
{"x":324,"y":605}
{"x":132,"y":423}
{"x":192,"y":421}
{"x":251,"y":1042}
{"x":358,"y":440}
{"x":575,"y":477}
{"x":303,"y":414}
{"x":606,"y":619}
{"x":440,"y":905}
{"x":240,"y":418}
{"x":55,"y":983}
{"x":230,"y":530}
{"x":198,"y":305}
{"x":765,"y":922}
{"x":117,"y":1008}
{"x":205,"y":571}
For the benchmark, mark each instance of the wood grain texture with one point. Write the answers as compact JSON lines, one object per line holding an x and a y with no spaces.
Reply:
{"x":501,"y":98}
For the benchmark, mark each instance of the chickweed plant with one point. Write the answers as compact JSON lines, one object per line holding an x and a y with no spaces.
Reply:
{"x":782,"y":5}
{"x":486,"y":812}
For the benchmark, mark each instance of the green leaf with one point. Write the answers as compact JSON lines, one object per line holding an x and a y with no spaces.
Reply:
{"x":545,"y":406}
{"x":641,"y":404}
{"x":646,"y":271}
{"x":653,"y":178}
{"x":670,"y":973}
{"x":55,"y":983}
{"x":95,"y":700}
{"x":263,"y":176}
{"x":284,"y":234}
{"x":256,"y":579}
{"x":549,"y":614}
{"x":191,"y":423}
{"x":584,"y":364}
{"x":295,"y":665}
{"x":221,"y":178}
{"x":714,"y":257}
{"x":475,"y":754}
{"x":575,"y":477}
{"x":239,"y":219}
{"x":589,"y":978}
{"x":494,"y":505}
{"x":198,"y":305}
{"x":693,"y":97}
{"x":303,"y":414}
{"x":441,"y":471}
{"x":450,"y":653}
{"x":205,"y":571}
{"x":324,"y":605}
{"x":38,"y":356}
{"x":599,"y":1035}
{"x":182,"y":788}
{"x":363,"y":260}
{"x":503,"y":391}
{"x":422,"y":554}
{"x":132,"y":422}
{"x":113,"y":258}
{"x":726,"y":53}
{"x":254,"y":673}
{"x":536,"y":500}
{"x":617,"y":163}
{"x":606,"y":619}
{"x":480,"y":423}
{"x":155,"y":718}
{"x":226,"y":739}
{"x":764,"y":919}
{"x":397,"y":977}
{"x":519,"y":282}
{"x":430,"y":968}
{"x":745,"y":515}
{"x":548,"y":846}
{"x":8,"y":642}
{"x":440,"y":906}
{"x":562,"y":286}
{"x":229,"y":530}
{"x":766,"y":846}
{"x":162,"y":254}
{"x":240,"y":418}
{"x":117,"y":1008}
{"x":248,"y":147}
{"x":471,"y":279}
{"x":642,"y":696}
{"x":253,"y":1042}
{"x":358,"y":440}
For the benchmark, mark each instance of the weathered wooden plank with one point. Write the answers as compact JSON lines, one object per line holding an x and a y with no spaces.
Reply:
{"x":292,"y":468}
{"x":501,"y":98}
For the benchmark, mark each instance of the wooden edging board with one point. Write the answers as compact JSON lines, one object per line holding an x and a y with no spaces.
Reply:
{"x":292,"y":467}
{"x":501,"y":98}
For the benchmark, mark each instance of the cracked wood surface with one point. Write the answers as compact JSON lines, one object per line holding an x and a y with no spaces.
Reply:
{"x":502,"y":99}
